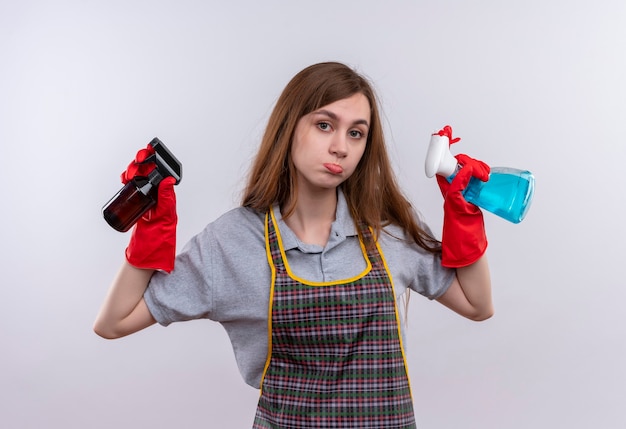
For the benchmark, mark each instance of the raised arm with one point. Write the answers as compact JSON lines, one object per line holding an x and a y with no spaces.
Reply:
{"x":464,"y":241}
{"x":152,"y":247}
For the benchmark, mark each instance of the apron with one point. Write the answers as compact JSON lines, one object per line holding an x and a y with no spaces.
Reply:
{"x":335,"y":358}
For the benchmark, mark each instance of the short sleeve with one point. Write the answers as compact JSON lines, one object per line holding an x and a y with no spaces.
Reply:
{"x":186,"y":292}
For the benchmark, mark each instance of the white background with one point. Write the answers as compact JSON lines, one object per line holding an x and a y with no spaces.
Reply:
{"x":533,"y":84}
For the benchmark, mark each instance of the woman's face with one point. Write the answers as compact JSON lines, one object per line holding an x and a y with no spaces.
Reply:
{"x":329,"y":142}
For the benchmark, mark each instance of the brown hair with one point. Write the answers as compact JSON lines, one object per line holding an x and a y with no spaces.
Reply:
{"x":372,"y":193}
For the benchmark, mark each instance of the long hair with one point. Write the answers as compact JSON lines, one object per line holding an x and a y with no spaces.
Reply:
{"x":372,"y":193}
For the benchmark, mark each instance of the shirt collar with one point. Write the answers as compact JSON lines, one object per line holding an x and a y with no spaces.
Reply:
{"x":342,"y":227}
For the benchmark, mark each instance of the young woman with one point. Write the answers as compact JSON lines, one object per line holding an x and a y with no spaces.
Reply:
{"x":306,"y":274}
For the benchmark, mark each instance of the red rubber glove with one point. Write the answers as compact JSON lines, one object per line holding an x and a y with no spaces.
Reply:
{"x":139,"y":166}
{"x":153,"y":240}
{"x":464,"y":239}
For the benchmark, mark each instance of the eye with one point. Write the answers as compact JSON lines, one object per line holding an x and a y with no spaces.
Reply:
{"x":324,"y":126}
{"x":356,"y":134}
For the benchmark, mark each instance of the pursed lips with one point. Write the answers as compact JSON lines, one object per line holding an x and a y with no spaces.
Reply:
{"x":334,"y":168}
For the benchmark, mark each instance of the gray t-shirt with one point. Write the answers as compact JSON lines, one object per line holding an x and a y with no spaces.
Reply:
{"x":223,"y":274}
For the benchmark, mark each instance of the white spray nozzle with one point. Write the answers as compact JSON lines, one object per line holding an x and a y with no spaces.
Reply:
{"x":439,"y":159}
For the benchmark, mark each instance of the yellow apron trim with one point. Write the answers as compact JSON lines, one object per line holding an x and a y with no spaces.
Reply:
{"x":269,"y":314}
{"x":367,"y":269}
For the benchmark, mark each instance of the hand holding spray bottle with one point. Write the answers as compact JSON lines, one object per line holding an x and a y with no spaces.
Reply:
{"x":508,"y":193}
{"x":151,"y":176}
{"x":141,"y":180}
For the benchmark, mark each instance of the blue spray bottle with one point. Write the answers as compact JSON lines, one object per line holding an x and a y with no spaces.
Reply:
{"x":508,"y":192}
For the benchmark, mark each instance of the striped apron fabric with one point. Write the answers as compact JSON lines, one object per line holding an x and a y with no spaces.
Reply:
{"x":336,"y":357}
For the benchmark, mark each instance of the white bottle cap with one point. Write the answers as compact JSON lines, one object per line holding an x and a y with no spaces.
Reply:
{"x":439,"y":159}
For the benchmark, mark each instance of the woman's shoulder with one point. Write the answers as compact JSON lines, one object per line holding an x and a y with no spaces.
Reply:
{"x":396,"y":237}
{"x":240,"y":214}
{"x":239,"y":222}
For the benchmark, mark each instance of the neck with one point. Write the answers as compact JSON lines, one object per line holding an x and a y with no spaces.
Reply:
{"x":313,"y":216}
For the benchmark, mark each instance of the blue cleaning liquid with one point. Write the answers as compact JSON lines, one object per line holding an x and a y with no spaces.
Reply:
{"x":508,"y":192}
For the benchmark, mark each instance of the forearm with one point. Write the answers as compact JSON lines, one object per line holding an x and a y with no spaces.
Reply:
{"x":124,"y":310}
{"x":475,"y":281}
{"x":470,"y":292}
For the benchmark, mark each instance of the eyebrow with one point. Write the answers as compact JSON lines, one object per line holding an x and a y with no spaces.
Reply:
{"x":333,"y":116}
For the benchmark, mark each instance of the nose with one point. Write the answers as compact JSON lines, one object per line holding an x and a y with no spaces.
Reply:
{"x":339,"y":145}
